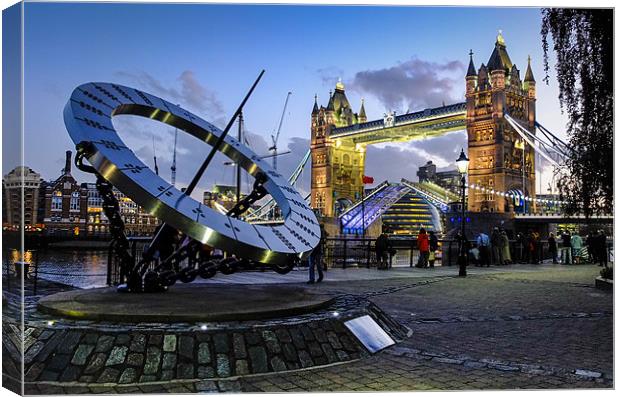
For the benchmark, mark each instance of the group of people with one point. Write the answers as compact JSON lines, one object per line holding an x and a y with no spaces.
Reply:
{"x":494,"y":250}
{"x":427,"y":244}
{"x":569,"y":248}
{"x":487,"y":250}
{"x":530,"y":246}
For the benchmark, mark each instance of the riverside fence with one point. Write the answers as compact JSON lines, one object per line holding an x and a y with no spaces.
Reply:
{"x":92,"y":269}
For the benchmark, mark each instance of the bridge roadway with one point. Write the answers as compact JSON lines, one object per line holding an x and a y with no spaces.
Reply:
{"x":406,"y":127}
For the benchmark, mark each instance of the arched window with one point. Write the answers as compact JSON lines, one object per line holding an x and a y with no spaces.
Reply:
{"x":74,"y":204}
{"x":57,"y":201}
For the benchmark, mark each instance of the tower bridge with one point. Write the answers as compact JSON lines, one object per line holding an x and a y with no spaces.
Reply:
{"x":498,"y":159}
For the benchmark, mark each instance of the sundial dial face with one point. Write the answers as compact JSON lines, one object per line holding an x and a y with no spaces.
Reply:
{"x":88,"y":118}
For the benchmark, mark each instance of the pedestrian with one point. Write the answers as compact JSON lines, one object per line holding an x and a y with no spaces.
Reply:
{"x":522,"y":239}
{"x":519,"y":248}
{"x":382,"y":245}
{"x":601,"y":245}
{"x":537,"y":247}
{"x":576,"y":244}
{"x":496,"y":246}
{"x":505,"y":248}
{"x":483,"y":243}
{"x":553,"y":248}
{"x":433,"y":243}
{"x":566,"y":248}
{"x":531,"y":246}
{"x":424,"y":248}
{"x":590,"y":247}
{"x":316,"y":257}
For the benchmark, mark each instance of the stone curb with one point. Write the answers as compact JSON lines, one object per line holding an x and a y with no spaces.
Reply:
{"x":506,"y":366}
{"x":180,"y":381}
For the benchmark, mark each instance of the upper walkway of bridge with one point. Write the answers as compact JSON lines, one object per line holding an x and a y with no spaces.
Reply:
{"x":409,"y":119}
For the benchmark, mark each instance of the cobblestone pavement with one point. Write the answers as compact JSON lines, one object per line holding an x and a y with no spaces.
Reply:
{"x":534,"y":327}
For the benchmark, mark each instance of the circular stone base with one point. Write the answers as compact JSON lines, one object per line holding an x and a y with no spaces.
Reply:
{"x":186,"y":303}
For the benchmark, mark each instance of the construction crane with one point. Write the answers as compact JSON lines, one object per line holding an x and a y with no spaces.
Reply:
{"x":274,"y":139}
{"x":155,"y":158}
{"x":173,"y":168}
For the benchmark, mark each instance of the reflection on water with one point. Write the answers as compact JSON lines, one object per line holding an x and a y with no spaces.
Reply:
{"x":80,"y":268}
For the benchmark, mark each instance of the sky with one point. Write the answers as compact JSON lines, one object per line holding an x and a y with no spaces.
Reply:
{"x":205,"y":58}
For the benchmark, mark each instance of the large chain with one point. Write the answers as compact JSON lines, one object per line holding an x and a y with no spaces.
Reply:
{"x":119,"y":242}
{"x":173,"y":249}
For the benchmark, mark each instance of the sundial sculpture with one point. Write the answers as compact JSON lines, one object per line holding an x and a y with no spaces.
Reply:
{"x":88,"y":119}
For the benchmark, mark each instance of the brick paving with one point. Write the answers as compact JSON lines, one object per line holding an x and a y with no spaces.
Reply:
{"x":535,"y":327}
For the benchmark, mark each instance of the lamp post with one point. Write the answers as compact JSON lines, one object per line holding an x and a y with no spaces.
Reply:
{"x":462,"y":164}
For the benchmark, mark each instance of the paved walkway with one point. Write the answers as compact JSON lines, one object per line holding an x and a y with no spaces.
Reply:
{"x":300,"y":275}
{"x":514,"y":327}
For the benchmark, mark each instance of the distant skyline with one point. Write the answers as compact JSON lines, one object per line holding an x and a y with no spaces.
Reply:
{"x":205,"y":57}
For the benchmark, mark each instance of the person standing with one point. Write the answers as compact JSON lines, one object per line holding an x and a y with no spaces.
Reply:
{"x":531,"y":246}
{"x":590,"y":247}
{"x":576,"y":244}
{"x":553,"y":248}
{"x":424,"y":248}
{"x":496,"y":246}
{"x":566,"y":248}
{"x":433,"y":243}
{"x":601,"y":240}
{"x":505,"y":248}
{"x":483,"y":242}
{"x":522,"y":243}
{"x":536,"y":251}
{"x":316,"y":257}
{"x":382,"y":245}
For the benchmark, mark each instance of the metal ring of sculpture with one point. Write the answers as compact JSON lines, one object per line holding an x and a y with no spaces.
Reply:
{"x":88,"y":118}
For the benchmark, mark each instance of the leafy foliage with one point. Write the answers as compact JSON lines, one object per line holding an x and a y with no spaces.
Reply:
{"x":583,"y":44}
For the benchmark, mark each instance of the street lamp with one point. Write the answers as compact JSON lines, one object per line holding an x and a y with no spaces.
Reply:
{"x":462,"y":163}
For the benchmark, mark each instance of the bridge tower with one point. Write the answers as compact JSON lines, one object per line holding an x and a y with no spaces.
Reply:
{"x":337,"y":166}
{"x":496,"y":152}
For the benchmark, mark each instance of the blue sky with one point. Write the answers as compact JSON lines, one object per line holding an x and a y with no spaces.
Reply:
{"x":205,"y":57}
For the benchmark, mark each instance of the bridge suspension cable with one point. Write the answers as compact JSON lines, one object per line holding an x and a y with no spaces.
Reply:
{"x":546,"y":149}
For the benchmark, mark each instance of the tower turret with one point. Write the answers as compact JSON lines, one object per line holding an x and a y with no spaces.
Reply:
{"x":529,"y":84}
{"x":361,"y":117}
{"x":471,"y":78}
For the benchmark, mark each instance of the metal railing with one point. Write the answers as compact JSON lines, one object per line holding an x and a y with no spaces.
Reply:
{"x":361,"y":252}
{"x":341,"y":252}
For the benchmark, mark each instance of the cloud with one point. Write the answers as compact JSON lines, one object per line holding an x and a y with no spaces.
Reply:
{"x":414,"y":84}
{"x":330,"y":75}
{"x":187,"y":91}
{"x":405,"y":159}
